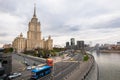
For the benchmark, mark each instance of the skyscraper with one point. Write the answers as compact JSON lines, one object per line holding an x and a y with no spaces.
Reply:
{"x":72,"y":41}
{"x":67,"y":45}
{"x":33,"y":39}
{"x":80,"y":45}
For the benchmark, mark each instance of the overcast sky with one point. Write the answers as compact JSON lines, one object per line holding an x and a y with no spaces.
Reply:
{"x":96,"y":21}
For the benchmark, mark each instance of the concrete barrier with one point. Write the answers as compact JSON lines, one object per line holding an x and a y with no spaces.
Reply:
{"x":42,"y":60}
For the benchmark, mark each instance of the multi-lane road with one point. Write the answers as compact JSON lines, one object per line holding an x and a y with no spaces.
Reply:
{"x":61,"y":69}
{"x":18,"y":65}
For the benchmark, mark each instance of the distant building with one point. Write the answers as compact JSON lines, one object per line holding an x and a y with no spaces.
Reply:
{"x":67,"y":45}
{"x":7,"y":45}
{"x":118,"y":43}
{"x":80,"y":45}
{"x":72,"y":41}
{"x":33,"y":39}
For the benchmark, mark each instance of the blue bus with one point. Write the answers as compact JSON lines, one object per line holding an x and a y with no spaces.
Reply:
{"x":41,"y":71}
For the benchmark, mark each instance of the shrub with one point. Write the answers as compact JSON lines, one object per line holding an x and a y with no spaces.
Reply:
{"x":86,"y":57}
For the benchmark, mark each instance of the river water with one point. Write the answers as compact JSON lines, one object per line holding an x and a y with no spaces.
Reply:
{"x":109,"y":65}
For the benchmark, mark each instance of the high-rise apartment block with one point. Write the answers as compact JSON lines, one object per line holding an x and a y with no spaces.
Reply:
{"x":72,"y":41}
{"x":79,"y":46}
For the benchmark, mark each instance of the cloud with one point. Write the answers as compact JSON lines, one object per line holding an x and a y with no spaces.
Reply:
{"x":83,"y":19}
{"x":3,"y":34}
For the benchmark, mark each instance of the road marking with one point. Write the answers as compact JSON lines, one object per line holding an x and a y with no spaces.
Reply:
{"x":70,"y":61}
{"x":23,"y":68}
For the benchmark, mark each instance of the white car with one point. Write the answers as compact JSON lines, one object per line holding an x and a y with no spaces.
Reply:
{"x":14,"y":75}
{"x":29,"y":67}
{"x":25,"y":62}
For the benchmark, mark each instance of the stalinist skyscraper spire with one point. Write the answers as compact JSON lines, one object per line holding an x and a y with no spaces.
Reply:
{"x":34,"y":15}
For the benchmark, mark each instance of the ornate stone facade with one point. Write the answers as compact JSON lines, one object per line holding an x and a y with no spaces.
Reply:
{"x":33,"y":37}
{"x":19,"y":43}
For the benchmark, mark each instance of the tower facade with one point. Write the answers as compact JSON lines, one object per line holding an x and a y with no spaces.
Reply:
{"x":34,"y":33}
{"x":34,"y":39}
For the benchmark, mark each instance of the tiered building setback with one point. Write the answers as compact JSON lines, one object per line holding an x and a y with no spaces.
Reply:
{"x":33,"y":39}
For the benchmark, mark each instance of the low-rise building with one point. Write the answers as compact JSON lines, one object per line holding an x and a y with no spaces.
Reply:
{"x":7,"y":45}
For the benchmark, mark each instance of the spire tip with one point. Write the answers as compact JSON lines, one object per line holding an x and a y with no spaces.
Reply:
{"x":34,"y":15}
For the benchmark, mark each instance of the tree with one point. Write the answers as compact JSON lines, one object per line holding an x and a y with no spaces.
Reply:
{"x":8,"y":50}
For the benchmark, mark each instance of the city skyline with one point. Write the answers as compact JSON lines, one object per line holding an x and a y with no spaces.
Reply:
{"x":89,"y":20}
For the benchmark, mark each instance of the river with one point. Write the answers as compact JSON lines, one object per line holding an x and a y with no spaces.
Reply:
{"x":109,"y":65}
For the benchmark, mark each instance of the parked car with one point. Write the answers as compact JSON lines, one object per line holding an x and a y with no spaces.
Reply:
{"x":14,"y":75}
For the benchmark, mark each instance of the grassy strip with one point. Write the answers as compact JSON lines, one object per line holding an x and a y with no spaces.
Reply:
{"x":85,"y":58}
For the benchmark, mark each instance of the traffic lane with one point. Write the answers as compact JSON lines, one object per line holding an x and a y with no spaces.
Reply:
{"x":38,"y":59}
{"x":22,"y":59}
{"x":68,"y":67}
{"x":81,"y":72}
{"x":47,"y":77}
{"x":19,"y":58}
{"x":20,"y":68}
{"x":62,"y":73}
{"x":78,"y":57}
{"x":17,"y":66}
{"x":61,"y":66}
{"x":62,"y":69}
{"x":66,"y":71}
{"x":25,"y":76}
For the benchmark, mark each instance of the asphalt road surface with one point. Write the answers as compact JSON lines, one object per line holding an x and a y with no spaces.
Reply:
{"x":19,"y":66}
{"x":61,"y":69}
